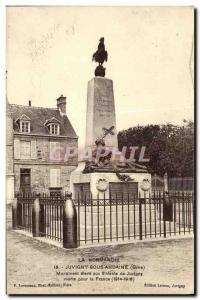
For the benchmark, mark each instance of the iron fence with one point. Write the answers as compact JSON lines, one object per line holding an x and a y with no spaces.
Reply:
{"x":52,"y":216}
{"x":24,"y":210}
{"x":117,"y":217}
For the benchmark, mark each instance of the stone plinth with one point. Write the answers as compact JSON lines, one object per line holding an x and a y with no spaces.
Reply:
{"x":96,"y":179}
{"x":100,"y":111}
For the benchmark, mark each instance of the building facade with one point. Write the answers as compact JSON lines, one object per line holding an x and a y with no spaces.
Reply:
{"x":9,"y":155}
{"x":37,"y":141}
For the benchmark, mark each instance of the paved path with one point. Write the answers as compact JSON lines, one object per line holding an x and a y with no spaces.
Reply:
{"x":151,"y":265}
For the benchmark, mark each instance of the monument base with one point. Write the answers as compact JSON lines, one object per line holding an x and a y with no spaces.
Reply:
{"x":107,"y":184}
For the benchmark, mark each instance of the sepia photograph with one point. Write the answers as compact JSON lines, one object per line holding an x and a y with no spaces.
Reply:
{"x":100,"y":150}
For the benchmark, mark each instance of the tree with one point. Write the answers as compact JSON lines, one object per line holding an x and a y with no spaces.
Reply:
{"x":169,"y":147}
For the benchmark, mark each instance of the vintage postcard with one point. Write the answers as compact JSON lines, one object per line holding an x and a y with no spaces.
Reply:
{"x":100,"y":150}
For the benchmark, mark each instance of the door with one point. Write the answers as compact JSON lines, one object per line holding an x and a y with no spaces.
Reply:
{"x":25,"y":180}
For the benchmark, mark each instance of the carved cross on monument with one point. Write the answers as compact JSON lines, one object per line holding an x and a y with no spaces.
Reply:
{"x":108,"y":131}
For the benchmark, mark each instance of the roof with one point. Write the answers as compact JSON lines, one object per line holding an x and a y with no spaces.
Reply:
{"x":38,"y":116}
{"x":24,"y":118}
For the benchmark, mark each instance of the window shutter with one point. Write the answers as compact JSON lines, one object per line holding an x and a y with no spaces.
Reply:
{"x":33,"y":150}
{"x":55,"y":178}
{"x":54,"y":154}
{"x":25,"y":150}
{"x":58,"y":151}
{"x":51,"y":151}
{"x":17,"y":149}
{"x":58,"y":177}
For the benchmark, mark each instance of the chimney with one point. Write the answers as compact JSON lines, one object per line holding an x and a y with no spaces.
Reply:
{"x":29,"y":103}
{"x":61,"y":104}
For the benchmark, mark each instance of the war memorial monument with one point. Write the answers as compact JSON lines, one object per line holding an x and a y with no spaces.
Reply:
{"x":106,"y":173}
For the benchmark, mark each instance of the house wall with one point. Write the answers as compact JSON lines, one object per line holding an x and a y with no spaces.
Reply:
{"x":40,"y":176}
{"x":9,"y":159}
{"x":41,"y":162}
{"x":9,"y":145}
{"x":42,"y":149}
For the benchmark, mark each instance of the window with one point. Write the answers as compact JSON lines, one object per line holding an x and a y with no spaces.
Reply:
{"x":25,"y":150}
{"x":24,"y":123}
{"x":54,"y":129}
{"x":25,"y":180}
{"x":55,"y":192}
{"x":25,"y":126}
{"x":54,"y":151}
{"x":53,"y":126}
{"x":54,"y":178}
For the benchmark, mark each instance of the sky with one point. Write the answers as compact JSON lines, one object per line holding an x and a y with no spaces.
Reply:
{"x":150,"y":60}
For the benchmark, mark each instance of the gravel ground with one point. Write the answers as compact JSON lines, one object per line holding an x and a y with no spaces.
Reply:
{"x":153,"y":267}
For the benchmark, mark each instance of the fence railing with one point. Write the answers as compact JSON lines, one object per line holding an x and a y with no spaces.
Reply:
{"x":85,"y":220}
{"x":24,"y":211}
{"x":174,"y":183}
{"x":120,"y":218}
{"x":52,"y":215}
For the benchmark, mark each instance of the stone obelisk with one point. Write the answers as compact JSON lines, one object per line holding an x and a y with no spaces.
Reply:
{"x":101,"y":120}
{"x":100,"y":112}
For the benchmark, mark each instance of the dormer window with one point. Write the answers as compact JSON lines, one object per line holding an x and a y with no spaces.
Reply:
{"x":53,"y":126}
{"x":24,"y":124}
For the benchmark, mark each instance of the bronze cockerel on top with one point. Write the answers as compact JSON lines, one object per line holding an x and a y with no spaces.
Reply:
{"x":100,"y":56}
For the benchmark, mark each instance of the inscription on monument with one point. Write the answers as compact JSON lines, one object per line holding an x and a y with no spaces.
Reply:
{"x":100,"y":111}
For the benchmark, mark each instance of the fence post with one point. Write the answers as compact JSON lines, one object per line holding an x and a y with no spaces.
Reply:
{"x":167,"y":207}
{"x":140,"y":217}
{"x":19,"y":215}
{"x":69,"y":223}
{"x":36,"y":217}
{"x":41,"y":220}
{"x":164,"y":212}
{"x":14,"y":213}
{"x":166,"y":182}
